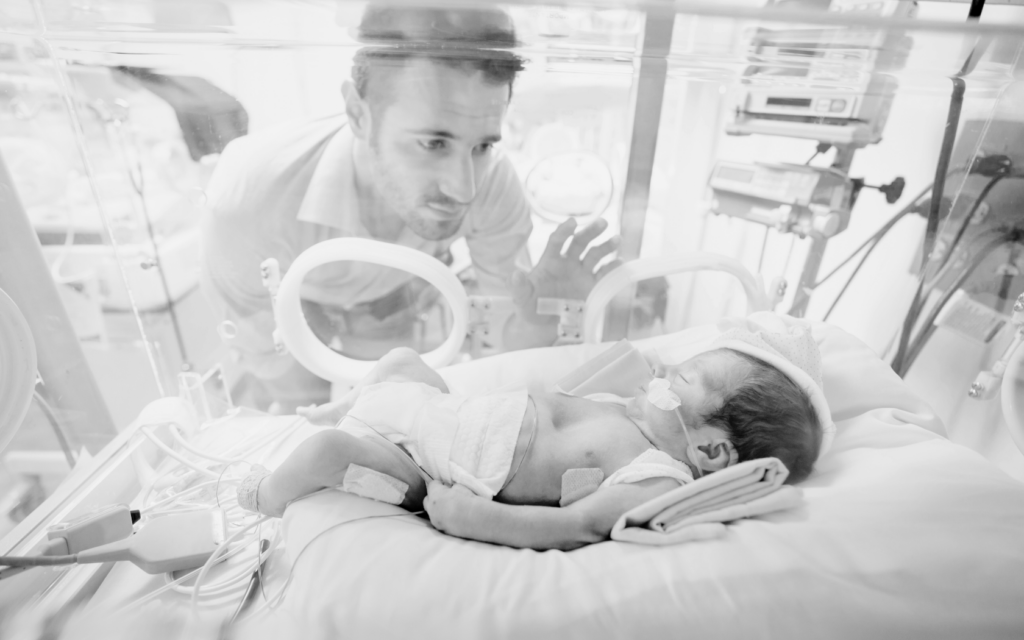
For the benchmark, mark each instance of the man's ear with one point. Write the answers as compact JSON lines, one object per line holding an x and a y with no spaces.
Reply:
{"x":357,"y":109}
{"x":716,"y":455}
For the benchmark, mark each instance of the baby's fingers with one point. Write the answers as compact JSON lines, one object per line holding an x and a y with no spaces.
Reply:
{"x":326,"y":415}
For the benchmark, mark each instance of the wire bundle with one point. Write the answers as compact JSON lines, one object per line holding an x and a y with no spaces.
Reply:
{"x":193,"y":479}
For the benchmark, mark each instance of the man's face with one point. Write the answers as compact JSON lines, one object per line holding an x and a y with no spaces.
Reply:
{"x":431,"y":142}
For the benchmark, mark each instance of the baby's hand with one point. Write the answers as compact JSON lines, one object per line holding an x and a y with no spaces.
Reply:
{"x":329,"y":414}
{"x":448,"y":507}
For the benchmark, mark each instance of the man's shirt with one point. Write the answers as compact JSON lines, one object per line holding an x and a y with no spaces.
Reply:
{"x":279,"y":192}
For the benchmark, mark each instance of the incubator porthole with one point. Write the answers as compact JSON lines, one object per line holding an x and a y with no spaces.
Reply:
{"x":570,"y":185}
{"x":227,"y":330}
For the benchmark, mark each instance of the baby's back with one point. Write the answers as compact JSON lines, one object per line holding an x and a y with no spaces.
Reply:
{"x":568,"y":433}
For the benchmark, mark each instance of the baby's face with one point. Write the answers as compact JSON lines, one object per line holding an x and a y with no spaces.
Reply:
{"x":702,"y":383}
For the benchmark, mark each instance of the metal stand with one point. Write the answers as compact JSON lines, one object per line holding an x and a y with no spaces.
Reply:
{"x":647,"y":97}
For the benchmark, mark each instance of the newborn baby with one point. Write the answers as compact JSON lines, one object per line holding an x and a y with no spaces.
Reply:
{"x":544,"y":469}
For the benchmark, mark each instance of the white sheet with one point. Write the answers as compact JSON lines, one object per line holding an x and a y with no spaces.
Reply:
{"x":903,"y":534}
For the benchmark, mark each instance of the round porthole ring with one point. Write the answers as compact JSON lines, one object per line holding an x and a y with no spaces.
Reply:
{"x":313,"y":354}
{"x":18,"y":363}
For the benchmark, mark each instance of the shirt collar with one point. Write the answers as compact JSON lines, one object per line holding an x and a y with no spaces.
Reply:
{"x":331,"y":198}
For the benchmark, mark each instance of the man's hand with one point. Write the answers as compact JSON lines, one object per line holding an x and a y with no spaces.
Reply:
{"x":569,"y":275}
{"x":449,"y":508}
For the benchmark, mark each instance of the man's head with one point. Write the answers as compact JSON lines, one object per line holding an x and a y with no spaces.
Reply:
{"x":735,"y":408}
{"x":426,"y":105}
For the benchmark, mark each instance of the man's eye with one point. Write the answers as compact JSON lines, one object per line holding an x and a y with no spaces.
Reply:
{"x":485,"y":147}
{"x":434,"y":145}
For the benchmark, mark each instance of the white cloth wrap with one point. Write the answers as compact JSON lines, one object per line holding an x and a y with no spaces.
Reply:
{"x":650,"y":464}
{"x":456,"y":439}
{"x":700,"y":509}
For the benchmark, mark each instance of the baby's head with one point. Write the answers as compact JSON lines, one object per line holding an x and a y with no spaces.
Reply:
{"x":735,"y":407}
{"x":767,"y":415}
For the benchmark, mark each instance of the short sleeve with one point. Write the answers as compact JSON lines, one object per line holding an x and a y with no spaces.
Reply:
{"x":498,"y":227}
{"x":650,"y":464}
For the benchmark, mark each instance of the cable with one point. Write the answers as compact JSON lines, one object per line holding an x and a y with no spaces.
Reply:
{"x":213,"y":558}
{"x":849,"y":280}
{"x":187,"y":494}
{"x":764,"y":248}
{"x":174,"y":454}
{"x":278,"y":598}
{"x":139,"y":186}
{"x":928,"y":326}
{"x":180,"y":439}
{"x":967,"y":220}
{"x":255,"y":581}
{"x":37,"y":561}
{"x":884,"y":229}
{"x":58,"y":428}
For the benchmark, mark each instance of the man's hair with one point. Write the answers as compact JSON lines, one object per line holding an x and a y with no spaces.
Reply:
{"x":473,"y":40}
{"x":768,"y":415}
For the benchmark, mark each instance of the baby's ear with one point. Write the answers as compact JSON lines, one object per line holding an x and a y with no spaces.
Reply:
{"x":717,"y":455}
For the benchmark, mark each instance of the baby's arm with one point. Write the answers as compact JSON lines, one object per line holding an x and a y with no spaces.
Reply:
{"x":458,"y":512}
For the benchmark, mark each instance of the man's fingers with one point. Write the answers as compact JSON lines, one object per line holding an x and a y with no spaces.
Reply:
{"x":611,"y":266}
{"x":596,"y":254}
{"x":584,"y":237}
{"x":557,"y":239}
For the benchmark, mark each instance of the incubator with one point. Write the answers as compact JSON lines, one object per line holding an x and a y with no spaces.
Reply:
{"x":188,"y":259}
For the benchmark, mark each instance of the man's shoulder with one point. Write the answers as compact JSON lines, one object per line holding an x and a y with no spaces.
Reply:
{"x":289,"y":138}
{"x":269,"y":163}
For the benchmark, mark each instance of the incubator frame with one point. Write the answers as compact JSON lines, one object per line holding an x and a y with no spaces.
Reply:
{"x":111,"y":476}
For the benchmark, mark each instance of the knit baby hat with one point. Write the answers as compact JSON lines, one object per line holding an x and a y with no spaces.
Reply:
{"x":785,"y":343}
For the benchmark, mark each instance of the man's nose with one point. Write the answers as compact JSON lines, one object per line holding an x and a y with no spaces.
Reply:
{"x":459,"y":179}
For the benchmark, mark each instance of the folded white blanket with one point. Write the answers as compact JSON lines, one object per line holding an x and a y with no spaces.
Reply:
{"x":697,"y":510}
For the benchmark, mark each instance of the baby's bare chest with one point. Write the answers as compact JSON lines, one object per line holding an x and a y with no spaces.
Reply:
{"x":591,"y":434}
{"x":573,"y":433}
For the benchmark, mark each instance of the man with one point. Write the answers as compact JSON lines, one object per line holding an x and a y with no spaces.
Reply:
{"x":412,"y":162}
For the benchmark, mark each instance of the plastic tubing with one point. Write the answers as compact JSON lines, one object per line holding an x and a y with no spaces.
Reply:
{"x":171,"y":583}
{"x":180,"y":439}
{"x":213,"y":559}
{"x":636,"y":270}
{"x":179,"y":496}
{"x":332,"y":366}
{"x":174,"y":454}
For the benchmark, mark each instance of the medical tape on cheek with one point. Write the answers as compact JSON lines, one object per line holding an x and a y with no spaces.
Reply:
{"x":368,"y":483}
{"x":579,"y":483}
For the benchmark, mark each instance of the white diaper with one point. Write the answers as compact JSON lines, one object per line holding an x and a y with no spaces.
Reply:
{"x":455,"y":439}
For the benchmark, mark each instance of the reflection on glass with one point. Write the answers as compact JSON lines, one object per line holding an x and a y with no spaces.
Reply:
{"x":412,"y":314}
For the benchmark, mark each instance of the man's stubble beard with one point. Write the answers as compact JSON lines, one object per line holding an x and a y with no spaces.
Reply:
{"x":389,"y":186}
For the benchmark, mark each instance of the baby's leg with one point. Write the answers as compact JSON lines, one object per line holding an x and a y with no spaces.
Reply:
{"x":405,"y":365}
{"x":322,"y":461}
{"x":398,"y":365}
